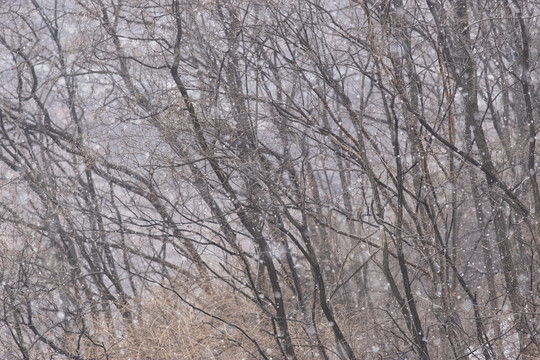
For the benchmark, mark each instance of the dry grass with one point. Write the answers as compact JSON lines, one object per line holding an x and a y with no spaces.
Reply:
{"x":170,"y":329}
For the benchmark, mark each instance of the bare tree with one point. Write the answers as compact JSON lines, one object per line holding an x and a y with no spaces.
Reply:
{"x":333,"y":179}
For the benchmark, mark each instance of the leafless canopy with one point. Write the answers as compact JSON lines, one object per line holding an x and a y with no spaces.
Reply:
{"x":306,"y":179}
